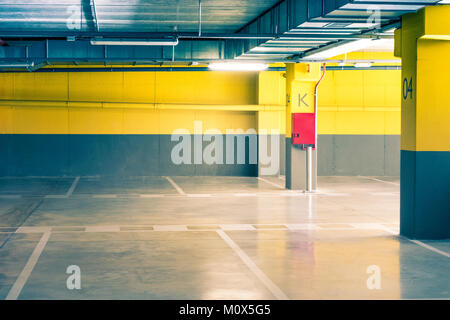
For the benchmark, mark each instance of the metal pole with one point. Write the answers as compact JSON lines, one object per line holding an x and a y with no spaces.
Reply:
{"x":309,"y":156}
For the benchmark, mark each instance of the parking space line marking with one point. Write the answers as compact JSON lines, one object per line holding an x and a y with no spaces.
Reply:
{"x":33,"y":229}
{"x":272,"y":287}
{"x":303,"y":226}
{"x":331,"y":194}
{"x":104,"y":196}
{"x":379,"y":180}
{"x":200,"y":227}
{"x":151,"y":195}
{"x":419,"y":243}
{"x":245,"y":194}
{"x":286,"y":193}
{"x":10,"y":196}
{"x":170,"y":228}
{"x":72,"y":187}
{"x":236,"y":227}
{"x":177,"y":187}
{"x":369,"y":226}
{"x":271,"y":183}
{"x":26,"y":272}
{"x":55,"y":196}
{"x":385,"y":194}
{"x":426,"y":246}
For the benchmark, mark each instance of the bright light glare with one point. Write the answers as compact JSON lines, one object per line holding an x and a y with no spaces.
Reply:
{"x":363,"y":65}
{"x":232,"y":66}
{"x":344,"y":48}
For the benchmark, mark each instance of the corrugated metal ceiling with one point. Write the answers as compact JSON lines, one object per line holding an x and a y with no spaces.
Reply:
{"x":130,"y":15}
{"x":288,"y":30}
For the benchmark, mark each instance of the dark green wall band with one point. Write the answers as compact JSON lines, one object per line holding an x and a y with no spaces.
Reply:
{"x":425,"y":194}
{"x":136,"y":155}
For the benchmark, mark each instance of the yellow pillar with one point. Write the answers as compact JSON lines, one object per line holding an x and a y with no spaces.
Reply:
{"x":424,"y":46}
{"x":301,"y":79}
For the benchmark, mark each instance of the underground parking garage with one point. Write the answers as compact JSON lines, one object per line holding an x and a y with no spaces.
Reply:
{"x":224,"y":150}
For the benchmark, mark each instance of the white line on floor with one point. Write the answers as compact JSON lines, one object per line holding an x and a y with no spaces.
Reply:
{"x":26,"y":272}
{"x":177,"y":187}
{"x":426,"y":246}
{"x":102,"y":229}
{"x":272,"y":287}
{"x":271,"y":183}
{"x":199,"y":195}
{"x":170,"y":228}
{"x":245,"y":194}
{"x":385,"y":194}
{"x":151,"y":195}
{"x":331,"y":194}
{"x":379,"y":180}
{"x":55,"y":196}
{"x":72,"y":187}
{"x":104,"y":196}
{"x":12,"y":196}
{"x":420,"y":243}
{"x":228,"y":227}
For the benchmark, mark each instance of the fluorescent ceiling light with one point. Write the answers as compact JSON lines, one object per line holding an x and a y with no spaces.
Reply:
{"x":363,"y":65}
{"x":134,"y":42}
{"x":338,"y":50}
{"x":236,"y":66}
{"x":443,"y":37}
{"x":16,"y":65}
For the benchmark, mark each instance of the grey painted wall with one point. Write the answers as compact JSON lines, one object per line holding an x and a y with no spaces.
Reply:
{"x":352,"y":155}
{"x":56,"y":155}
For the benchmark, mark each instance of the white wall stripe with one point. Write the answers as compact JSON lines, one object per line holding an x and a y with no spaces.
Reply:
{"x":26,"y":272}
{"x":272,"y":287}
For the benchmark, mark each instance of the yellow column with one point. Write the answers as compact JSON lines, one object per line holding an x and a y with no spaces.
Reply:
{"x":424,"y":46}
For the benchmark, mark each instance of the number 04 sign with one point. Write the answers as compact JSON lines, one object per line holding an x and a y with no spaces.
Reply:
{"x":407,"y":88}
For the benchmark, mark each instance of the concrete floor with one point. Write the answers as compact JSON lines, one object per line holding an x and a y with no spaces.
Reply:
{"x":211,"y":238}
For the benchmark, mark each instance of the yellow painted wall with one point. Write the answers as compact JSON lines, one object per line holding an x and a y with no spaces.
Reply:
{"x":350,"y":102}
{"x":137,"y":102}
{"x":359,"y":101}
{"x":133,"y":87}
{"x":49,"y":120}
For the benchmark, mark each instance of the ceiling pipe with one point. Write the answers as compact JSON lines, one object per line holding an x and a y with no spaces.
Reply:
{"x":94,"y":16}
{"x":316,"y":89}
{"x":188,"y":35}
{"x":199,"y":18}
{"x":157,"y":69}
